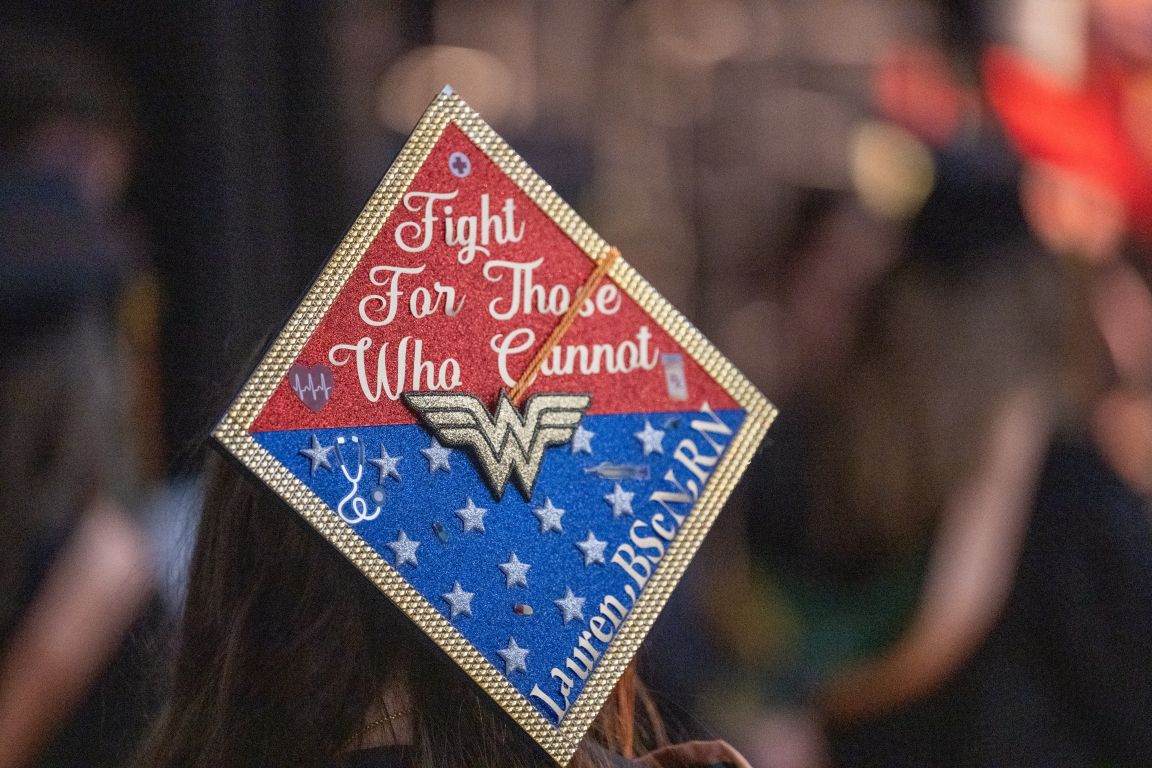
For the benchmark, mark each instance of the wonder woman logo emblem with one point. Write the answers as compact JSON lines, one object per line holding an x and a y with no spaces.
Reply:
{"x":507,"y":444}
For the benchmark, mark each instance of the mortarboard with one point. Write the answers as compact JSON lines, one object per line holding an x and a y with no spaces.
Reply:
{"x":500,"y":423}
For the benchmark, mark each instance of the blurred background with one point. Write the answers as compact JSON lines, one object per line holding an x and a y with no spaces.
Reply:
{"x":922,"y":228}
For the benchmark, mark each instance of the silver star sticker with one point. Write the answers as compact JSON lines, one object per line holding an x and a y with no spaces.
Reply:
{"x":621,"y":501}
{"x":651,"y":439}
{"x":318,"y":455}
{"x":386,"y":464}
{"x":472,"y":517}
{"x":514,"y":657}
{"x":459,"y":600}
{"x":515,"y":572}
{"x":571,"y":606}
{"x":582,"y":440}
{"x":593,"y":549}
{"x":404,"y":548}
{"x":549,"y":517}
{"x":437,"y":456}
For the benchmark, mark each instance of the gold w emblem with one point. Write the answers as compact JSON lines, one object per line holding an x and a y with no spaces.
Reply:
{"x":507,"y":443}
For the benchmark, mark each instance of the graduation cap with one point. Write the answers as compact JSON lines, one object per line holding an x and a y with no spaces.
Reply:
{"x":500,"y":423}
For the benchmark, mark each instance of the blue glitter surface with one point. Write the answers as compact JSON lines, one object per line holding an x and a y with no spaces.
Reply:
{"x":423,"y":505}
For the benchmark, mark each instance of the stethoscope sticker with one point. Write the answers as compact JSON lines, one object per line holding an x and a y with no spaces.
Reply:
{"x":360,"y":508}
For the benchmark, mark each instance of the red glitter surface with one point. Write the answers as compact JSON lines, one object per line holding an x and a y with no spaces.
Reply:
{"x":467,"y":337}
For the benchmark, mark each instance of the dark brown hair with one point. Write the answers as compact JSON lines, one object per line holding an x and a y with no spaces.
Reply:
{"x":63,"y":442}
{"x":940,"y":348}
{"x":285,"y":647}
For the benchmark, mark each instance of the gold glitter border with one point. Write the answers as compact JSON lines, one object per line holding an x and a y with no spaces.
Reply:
{"x":233,"y":431}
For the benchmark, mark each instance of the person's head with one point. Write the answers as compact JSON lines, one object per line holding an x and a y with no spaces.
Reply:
{"x":973,"y":311}
{"x":64,"y":112}
{"x":286,"y":648}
